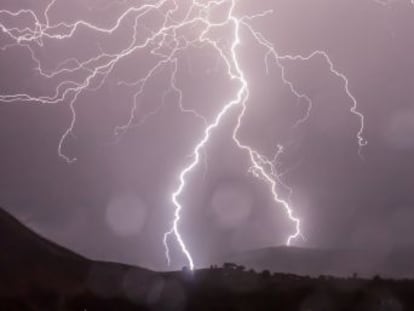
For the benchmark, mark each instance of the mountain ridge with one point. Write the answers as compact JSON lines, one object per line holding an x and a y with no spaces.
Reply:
{"x":397,"y":263}
{"x":29,"y":261}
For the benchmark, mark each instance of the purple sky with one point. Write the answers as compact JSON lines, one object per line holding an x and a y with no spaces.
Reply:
{"x":113,"y":203}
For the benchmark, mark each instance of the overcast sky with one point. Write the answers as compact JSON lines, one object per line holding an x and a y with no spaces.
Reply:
{"x":113,"y":203}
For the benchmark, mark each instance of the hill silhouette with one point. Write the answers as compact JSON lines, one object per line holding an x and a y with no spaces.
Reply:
{"x":397,"y":263}
{"x":31,"y":265}
{"x":38,"y":275}
{"x":30,"y":261}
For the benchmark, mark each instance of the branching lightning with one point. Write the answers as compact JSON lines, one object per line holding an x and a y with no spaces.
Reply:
{"x":168,"y":44}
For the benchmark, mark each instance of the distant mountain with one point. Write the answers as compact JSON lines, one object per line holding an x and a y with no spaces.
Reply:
{"x":314,"y":262}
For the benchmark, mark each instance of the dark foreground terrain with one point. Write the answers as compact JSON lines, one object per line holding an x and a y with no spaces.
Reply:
{"x":38,"y":275}
{"x":395,"y":263}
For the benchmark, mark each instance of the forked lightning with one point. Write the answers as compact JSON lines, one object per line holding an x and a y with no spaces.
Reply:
{"x":168,"y":43}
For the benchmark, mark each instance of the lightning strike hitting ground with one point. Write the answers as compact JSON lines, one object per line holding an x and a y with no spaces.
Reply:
{"x":168,"y":44}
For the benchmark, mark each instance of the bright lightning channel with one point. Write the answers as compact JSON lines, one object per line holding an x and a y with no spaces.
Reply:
{"x":261,"y":167}
{"x":167,"y":44}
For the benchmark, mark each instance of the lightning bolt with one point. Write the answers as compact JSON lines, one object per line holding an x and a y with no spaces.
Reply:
{"x":261,"y":167}
{"x":73,"y":77}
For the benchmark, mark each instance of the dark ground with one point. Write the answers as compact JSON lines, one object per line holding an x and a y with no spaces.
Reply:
{"x":396,"y":263}
{"x":36,"y":274}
